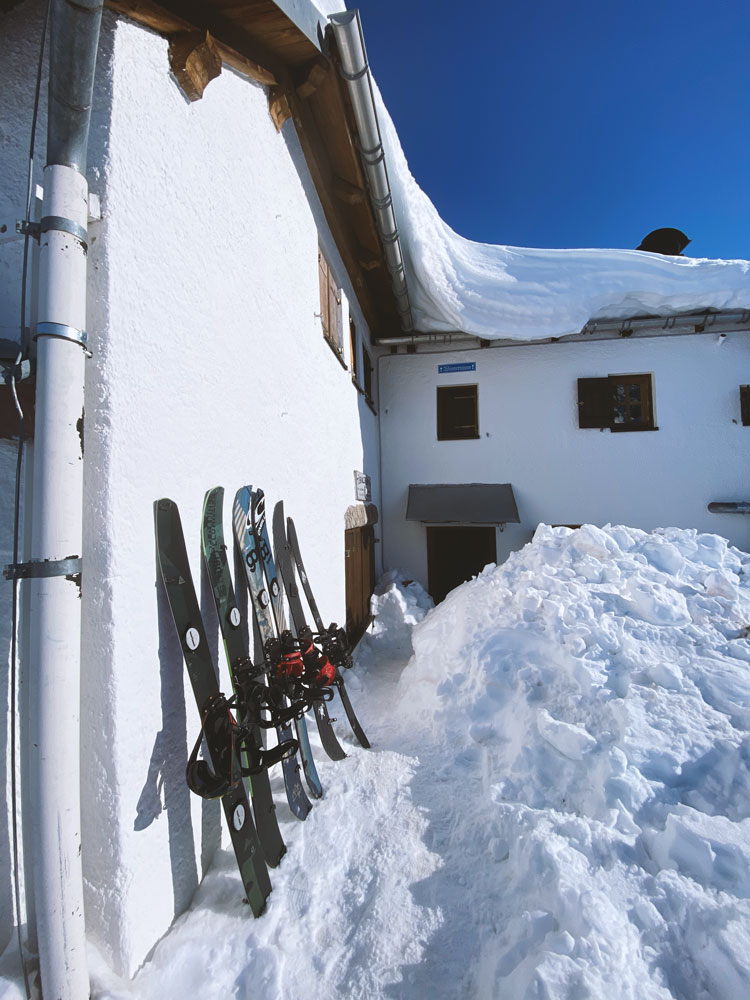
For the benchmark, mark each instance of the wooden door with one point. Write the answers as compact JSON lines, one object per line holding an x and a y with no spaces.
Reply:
{"x":455,"y":554}
{"x":360,"y":578}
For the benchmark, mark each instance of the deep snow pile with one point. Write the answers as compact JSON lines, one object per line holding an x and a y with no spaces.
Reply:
{"x":595,"y":691}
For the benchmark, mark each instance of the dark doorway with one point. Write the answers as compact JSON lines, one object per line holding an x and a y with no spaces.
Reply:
{"x":360,"y":579}
{"x":454,"y":555}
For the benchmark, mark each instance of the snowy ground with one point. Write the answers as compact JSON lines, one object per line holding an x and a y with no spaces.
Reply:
{"x":555,"y":806}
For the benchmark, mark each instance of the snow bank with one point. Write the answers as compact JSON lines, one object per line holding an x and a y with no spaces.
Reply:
{"x":508,"y":292}
{"x":593,"y":694}
{"x":397,"y":605}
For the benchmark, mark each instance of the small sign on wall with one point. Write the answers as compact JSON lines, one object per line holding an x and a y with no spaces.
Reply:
{"x":362,"y":487}
{"x":466,"y":366}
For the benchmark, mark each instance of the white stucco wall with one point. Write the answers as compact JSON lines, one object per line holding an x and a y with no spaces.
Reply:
{"x":529,"y":437}
{"x":209,"y":367}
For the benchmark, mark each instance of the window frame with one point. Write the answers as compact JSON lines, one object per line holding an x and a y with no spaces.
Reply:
{"x":598,"y":402}
{"x":446,"y":429}
{"x":330,"y":307}
{"x":745,"y":405}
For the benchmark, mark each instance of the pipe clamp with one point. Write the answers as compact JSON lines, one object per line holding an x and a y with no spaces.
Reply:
{"x":58,"y":223}
{"x":62,"y":332}
{"x":35,"y":568}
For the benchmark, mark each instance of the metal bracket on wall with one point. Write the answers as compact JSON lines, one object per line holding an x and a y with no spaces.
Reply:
{"x":69,"y":567}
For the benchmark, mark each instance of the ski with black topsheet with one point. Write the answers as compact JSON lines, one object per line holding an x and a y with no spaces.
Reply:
{"x":285,"y":567}
{"x":259,"y":528}
{"x":178,"y":584}
{"x":253,"y":566}
{"x":332,"y":635}
{"x":236,"y":645}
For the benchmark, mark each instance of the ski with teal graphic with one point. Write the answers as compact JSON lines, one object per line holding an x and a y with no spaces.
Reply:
{"x":253,"y":567}
{"x":223,"y":736}
{"x":332,"y":639}
{"x":233,"y":623}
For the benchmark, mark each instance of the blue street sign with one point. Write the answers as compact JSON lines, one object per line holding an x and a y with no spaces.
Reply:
{"x":467,"y":366}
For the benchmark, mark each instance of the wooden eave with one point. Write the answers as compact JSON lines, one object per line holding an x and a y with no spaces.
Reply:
{"x":258,"y":39}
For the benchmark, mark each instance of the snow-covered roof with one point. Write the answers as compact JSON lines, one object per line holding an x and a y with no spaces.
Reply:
{"x":504,"y":292}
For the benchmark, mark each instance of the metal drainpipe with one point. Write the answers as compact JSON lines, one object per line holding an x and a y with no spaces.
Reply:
{"x":347,"y":31}
{"x":56,"y":506}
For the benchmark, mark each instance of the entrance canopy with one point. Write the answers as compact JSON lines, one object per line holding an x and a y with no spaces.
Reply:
{"x":462,"y":503}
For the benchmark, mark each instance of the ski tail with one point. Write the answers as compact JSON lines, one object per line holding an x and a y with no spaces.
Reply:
{"x":250,"y":554}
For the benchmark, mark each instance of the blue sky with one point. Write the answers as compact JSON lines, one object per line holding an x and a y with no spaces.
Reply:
{"x":579,"y":124}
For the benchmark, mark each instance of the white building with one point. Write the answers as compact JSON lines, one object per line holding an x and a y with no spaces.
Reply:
{"x":246,"y":323}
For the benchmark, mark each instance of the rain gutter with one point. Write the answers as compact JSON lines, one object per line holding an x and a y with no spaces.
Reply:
{"x":56,"y":506}
{"x":718,"y":322}
{"x":347,"y":30}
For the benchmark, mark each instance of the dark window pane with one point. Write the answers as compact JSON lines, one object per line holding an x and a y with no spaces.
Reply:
{"x":619,"y":393}
{"x":635,"y":393}
{"x":457,"y":412}
{"x":636,"y":413}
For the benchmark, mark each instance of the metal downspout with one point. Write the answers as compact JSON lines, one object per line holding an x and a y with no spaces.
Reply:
{"x":56,"y":506}
{"x":347,"y":30}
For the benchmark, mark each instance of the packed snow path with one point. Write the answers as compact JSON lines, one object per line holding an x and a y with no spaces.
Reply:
{"x":556,"y":805}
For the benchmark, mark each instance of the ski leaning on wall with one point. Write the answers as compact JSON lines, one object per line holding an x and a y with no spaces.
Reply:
{"x":259,"y":529}
{"x":332,"y":639}
{"x":236,"y":645}
{"x":285,"y":566}
{"x":252,"y":563}
{"x":178,"y":584}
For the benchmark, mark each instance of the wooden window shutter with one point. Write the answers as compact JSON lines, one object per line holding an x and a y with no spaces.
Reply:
{"x":594,"y":402}
{"x":745,"y":405}
{"x":334,"y":334}
{"x":325,"y":316}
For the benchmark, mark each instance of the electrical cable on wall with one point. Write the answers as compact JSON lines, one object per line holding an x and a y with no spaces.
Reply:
{"x":22,"y":355}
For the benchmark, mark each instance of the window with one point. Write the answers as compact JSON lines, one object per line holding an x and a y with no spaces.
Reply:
{"x":330,"y":300}
{"x":354,"y":353}
{"x":745,"y":405}
{"x":457,"y":412}
{"x":620,"y":402}
{"x":367,"y":374}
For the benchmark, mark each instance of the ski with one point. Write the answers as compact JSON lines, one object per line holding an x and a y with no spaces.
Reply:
{"x":334,"y":635}
{"x":236,"y":645}
{"x":259,"y":528}
{"x":183,"y":603}
{"x":251,"y":561}
{"x":285,"y":567}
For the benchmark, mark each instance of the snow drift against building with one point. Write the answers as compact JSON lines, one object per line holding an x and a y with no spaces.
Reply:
{"x":498,"y":292}
{"x":592,"y":696}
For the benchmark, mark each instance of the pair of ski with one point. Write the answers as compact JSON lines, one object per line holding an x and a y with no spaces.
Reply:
{"x":254,"y":848}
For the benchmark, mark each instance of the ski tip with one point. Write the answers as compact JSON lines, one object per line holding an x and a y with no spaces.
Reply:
{"x":215,"y":495}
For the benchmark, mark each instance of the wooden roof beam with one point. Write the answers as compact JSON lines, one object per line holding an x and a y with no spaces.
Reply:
{"x":350,"y":194}
{"x":314,"y":75}
{"x":236,"y":46}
